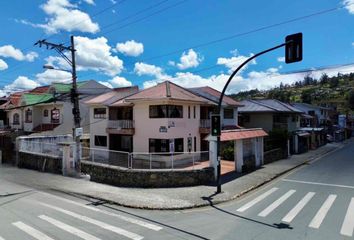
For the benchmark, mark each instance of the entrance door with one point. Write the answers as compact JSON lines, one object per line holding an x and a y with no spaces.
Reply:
{"x":55,"y":116}
{"x":122,"y":143}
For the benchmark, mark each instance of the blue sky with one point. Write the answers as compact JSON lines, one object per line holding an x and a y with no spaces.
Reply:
{"x":131,"y":42}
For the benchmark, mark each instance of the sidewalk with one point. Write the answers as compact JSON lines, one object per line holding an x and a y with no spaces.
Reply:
{"x":163,"y":198}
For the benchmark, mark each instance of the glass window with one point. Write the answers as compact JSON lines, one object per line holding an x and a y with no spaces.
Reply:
{"x":45,"y":113}
{"x":16,"y":119}
{"x":163,"y":145}
{"x":194,"y":112}
{"x":101,"y":141}
{"x":228,"y":113}
{"x":28,"y":116}
{"x":166,"y":111}
{"x":99,"y":113}
{"x":189,"y":111}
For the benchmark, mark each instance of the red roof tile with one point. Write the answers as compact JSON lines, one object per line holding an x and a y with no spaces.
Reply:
{"x":42,"y":89}
{"x":231,"y":135}
{"x":167,"y":90}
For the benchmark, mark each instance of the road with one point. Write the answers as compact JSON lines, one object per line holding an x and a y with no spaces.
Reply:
{"x":315,"y":201}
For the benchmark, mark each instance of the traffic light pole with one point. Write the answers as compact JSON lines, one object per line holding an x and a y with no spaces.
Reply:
{"x":218,"y":110}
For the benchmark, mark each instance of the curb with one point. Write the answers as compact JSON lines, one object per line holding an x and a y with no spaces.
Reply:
{"x":206,"y":203}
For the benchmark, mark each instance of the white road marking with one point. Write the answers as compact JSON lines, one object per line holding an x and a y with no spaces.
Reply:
{"x":75,"y":231}
{"x":276,"y":204}
{"x":31,"y":231}
{"x":319,"y":183}
{"x":298,"y":207}
{"x":256,"y":200}
{"x":348,"y":224}
{"x":124,"y":218}
{"x":322,"y":212}
{"x":96,"y":222}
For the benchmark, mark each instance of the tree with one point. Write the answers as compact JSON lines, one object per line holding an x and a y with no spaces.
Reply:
{"x":306,"y":96}
{"x":351,"y":100}
{"x":324,"y":79}
{"x":333,"y":82}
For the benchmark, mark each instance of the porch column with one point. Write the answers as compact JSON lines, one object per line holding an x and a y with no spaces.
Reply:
{"x":296,"y":142}
{"x":238,"y":155}
{"x":213,"y":154}
{"x":256,"y":151}
{"x":261,"y":150}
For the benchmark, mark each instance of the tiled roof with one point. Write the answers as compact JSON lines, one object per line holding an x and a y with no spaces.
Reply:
{"x":113,"y":96}
{"x":231,"y":135}
{"x":42,"y":89}
{"x":267,"y":105}
{"x":167,"y":90}
{"x":214,"y":95}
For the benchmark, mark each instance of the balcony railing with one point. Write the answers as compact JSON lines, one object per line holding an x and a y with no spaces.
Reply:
{"x":120,"y":124}
{"x":204,"y":123}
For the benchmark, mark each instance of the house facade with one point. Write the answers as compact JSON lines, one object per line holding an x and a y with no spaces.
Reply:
{"x":48,"y":110}
{"x":163,"y":118}
{"x":315,"y":116}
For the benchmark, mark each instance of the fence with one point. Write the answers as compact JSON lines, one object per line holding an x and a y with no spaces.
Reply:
{"x":40,"y":148}
{"x":135,"y":160}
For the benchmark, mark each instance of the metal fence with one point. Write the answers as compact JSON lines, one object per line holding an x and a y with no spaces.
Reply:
{"x":135,"y":160}
{"x":40,"y":148}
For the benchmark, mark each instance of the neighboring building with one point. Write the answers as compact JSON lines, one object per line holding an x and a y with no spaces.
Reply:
{"x":156,"y":119}
{"x":48,"y":109}
{"x":3,"y":115}
{"x":315,"y":116}
{"x":269,"y":114}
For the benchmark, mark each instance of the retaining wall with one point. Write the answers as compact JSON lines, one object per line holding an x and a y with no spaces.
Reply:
{"x":123,"y":177}
{"x":40,"y":162}
{"x":274,"y":155}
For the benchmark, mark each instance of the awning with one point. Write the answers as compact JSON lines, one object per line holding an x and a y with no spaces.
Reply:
{"x":238,"y":134}
{"x":306,"y":116}
{"x":303,"y":134}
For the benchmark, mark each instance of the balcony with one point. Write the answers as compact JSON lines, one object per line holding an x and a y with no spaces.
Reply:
{"x":123,"y":127}
{"x":204,"y":126}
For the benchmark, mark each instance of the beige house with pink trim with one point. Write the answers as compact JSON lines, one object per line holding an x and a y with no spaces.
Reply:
{"x":150,"y":120}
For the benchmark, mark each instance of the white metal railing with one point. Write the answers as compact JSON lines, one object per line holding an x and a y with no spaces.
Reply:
{"x":121,"y":124}
{"x":40,"y":148}
{"x":204,"y":123}
{"x":143,"y":160}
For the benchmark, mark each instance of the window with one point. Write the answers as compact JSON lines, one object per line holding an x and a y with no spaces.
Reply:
{"x":194,"y":112}
{"x":166,"y":111}
{"x":28,"y":116}
{"x":45,"y":113}
{"x":195,"y":144}
{"x":163,"y":145}
{"x":55,"y":115}
{"x":189,"y":111}
{"x":16,"y":119}
{"x":295,"y":118}
{"x":100,"y":141}
{"x":99,"y":113}
{"x":228,"y":113}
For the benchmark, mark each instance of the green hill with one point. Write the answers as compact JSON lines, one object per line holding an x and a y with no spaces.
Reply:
{"x":337,"y":91}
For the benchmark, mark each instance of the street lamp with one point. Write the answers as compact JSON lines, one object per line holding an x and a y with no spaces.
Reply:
{"x":50,"y":67}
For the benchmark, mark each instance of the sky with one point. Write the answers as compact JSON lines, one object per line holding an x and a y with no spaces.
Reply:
{"x":189,"y":42}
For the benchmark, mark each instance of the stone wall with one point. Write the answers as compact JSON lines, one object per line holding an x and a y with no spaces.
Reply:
{"x":274,"y":155}
{"x":39,"y":162}
{"x":117,"y":176}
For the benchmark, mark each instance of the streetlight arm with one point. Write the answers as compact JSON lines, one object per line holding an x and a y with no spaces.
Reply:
{"x":238,"y":69}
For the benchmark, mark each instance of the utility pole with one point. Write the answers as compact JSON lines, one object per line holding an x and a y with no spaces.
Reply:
{"x":60,"y":49}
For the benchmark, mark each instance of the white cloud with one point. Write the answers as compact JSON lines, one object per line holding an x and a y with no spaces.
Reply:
{"x":11,"y":51}
{"x":3,"y":65}
{"x":96,"y":54}
{"x":49,"y":76}
{"x":281,"y":59}
{"x":107,"y":84}
{"x":65,"y":16}
{"x":120,"y":82}
{"x":349,"y":5}
{"x":189,"y":60}
{"x":235,"y":61}
{"x":21,"y":83}
{"x":130,"y":48}
{"x":91,"y":2}
{"x":147,"y":69}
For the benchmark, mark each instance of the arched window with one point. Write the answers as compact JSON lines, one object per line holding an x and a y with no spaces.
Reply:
{"x":16,"y":119}
{"x":28,"y":116}
{"x":45,"y":113}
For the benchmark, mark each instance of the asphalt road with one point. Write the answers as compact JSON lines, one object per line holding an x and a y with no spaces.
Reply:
{"x":314,"y":202}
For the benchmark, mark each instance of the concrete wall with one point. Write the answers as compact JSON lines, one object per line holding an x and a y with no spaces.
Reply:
{"x":146,"y":127}
{"x":40,"y":163}
{"x":293,"y":125}
{"x":98,"y":127}
{"x":147,"y":179}
{"x":260,"y":120}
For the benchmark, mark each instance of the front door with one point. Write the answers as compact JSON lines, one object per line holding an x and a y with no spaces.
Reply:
{"x":55,"y":116}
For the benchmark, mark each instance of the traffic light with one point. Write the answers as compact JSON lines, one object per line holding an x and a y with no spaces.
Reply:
{"x":293,"y":48}
{"x":215,"y":125}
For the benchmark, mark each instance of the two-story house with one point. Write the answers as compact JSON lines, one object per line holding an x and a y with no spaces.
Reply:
{"x":269,"y":114}
{"x":156,"y":119}
{"x":320,"y":115}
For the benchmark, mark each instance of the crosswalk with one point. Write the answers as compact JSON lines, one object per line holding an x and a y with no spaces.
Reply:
{"x":277,"y":201}
{"x":47,"y":223}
